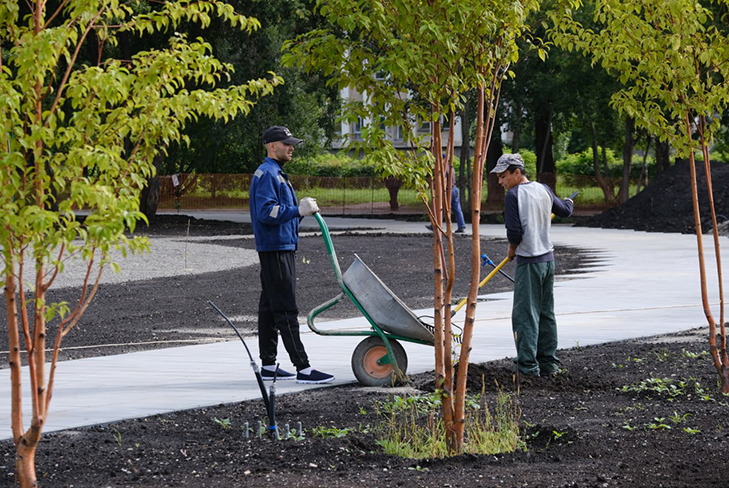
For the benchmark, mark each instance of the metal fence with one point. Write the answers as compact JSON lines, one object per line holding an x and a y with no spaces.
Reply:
{"x":339,"y":196}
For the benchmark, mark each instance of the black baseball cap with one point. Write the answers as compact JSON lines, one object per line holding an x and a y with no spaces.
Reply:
{"x":279,"y":133}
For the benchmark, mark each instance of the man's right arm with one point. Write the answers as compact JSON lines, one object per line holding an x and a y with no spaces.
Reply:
{"x":270,"y":209}
{"x":514,"y":231}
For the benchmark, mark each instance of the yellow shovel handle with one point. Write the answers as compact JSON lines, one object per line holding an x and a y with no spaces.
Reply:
{"x":483,"y":282}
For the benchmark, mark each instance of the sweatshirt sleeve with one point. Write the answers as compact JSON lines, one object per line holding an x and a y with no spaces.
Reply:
{"x":272,"y":209}
{"x":514,"y":231}
{"x":561,"y":208}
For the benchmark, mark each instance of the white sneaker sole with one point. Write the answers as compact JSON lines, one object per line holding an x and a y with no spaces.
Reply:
{"x":319,"y":382}
{"x":280,"y":378}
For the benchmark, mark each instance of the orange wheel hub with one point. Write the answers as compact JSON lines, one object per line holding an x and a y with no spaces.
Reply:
{"x":371,"y":365}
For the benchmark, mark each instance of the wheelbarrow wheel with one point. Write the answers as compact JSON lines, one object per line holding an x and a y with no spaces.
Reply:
{"x":370,"y":363}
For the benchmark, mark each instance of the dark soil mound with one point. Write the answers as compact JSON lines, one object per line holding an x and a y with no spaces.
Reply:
{"x":665,"y":205}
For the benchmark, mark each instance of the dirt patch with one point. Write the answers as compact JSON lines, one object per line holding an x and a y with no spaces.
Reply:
{"x":632,"y":413}
{"x":604,"y":421}
{"x":665,"y":205}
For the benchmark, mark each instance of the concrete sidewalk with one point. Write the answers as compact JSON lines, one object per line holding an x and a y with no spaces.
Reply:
{"x":638,"y":284}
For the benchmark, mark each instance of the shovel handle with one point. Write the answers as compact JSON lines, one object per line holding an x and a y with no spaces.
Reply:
{"x":480,"y":285}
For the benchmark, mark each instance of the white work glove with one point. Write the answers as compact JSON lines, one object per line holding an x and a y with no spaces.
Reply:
{"x":308,"y":206}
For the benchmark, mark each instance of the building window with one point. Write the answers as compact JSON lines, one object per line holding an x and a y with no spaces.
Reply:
{"x":358,"y":129}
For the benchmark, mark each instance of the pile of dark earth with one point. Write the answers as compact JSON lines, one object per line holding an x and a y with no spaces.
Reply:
{"x":665,"y":205}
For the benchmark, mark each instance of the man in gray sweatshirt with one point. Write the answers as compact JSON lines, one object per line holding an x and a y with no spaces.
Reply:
{"x":528,"y":209}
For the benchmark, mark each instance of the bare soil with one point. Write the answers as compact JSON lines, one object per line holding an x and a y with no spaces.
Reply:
{"x":665,"y":205}
{"x":638,"y":413}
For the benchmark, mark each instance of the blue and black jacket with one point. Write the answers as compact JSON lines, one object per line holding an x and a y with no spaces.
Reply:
{"x":274,"y":209}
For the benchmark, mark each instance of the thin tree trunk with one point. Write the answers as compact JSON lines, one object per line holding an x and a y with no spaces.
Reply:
{"x":601,"y":182}
{"x":663,"y":152}
{"x":713,"y":349}
{"x":724,"y":372}
{"x":494,"y":191}
{"x":643,"y":180}
{"x":484,"y":131}
{"x":624,"y":192}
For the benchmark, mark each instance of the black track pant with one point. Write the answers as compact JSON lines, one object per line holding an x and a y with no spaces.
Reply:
{"x":277,"y":310}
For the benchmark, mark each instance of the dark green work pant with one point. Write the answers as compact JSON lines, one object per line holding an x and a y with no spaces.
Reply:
{"x":532,"y":319}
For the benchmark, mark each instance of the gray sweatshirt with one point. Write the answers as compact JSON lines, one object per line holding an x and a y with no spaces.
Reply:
{"x":528,"y":210}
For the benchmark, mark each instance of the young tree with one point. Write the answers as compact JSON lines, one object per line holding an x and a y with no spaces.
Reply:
{"x":672,"y":60}
{"x":78,"y":136}
{"x":427,"y":55}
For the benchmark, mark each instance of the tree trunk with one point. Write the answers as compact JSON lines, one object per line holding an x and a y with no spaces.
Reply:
{"x":516,"y":130}
{"x":464,"y":171}
{"x":602,"y":182}
{"x":25,"y":466}
{"x":643,"y":179}
{"x":624,"y":192}
{"x":494,"y":191}
{"x":393,"y":185}
{"x":546,"y":167}
{"x":663,"y":151}
{"x":149,"y":197}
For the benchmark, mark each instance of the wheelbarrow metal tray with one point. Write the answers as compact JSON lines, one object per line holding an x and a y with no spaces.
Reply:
{"x":381,"y":304}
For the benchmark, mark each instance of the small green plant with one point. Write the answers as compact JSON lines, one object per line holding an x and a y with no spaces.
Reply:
{"x":668,"y":388}
{"x":556,"y":434}
{"x":117,"y":436}
{"x":691,"y":431}
{"x":676,"y":418}
{"x":628,"y":427}
{"x":331,"y":432}
{"x":362,"y":411}
{"x":658,"y":424}
{"x":662,"y":355}
{"x":693,"y":355}
{"x":414,"y":427}
{"x":224,"y":423}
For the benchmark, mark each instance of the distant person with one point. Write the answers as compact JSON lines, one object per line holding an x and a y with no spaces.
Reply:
{"x":527,"y":208}
{"x":455,"y":202}
{"x":275,"y":216}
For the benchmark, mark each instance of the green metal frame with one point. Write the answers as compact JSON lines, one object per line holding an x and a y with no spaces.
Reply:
{"x":389,"y":358}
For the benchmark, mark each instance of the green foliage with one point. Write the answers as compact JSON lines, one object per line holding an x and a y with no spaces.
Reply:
{"x":331,"y":432}
{"x":433,"y":52}
{"x":582,"y":163}
{"x":668,"y":55}
{"x":331,"y":165}
{"x":80,"y":135}
{"x":84,"y":137}
{"x":304,"y":103}
{"x":668,"y":388}
{"x":413,"y":426}
{"x":224,"y":423}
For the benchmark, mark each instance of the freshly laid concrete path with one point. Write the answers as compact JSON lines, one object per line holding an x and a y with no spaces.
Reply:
{"x":638,"y":284}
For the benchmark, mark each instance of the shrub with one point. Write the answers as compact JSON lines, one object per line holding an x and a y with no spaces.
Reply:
{"x":331,"y":165}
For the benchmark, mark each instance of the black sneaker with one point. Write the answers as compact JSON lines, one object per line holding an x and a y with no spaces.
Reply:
{"x":281,"y":375}
{"x":314,"y":378}
{"x":429,"y":227}
{"x":460,"y":231}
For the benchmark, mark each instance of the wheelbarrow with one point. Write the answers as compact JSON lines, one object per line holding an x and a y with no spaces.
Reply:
{"x":379,"y":359}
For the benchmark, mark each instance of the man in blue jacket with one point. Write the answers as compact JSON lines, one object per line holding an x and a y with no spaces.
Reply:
{"x":275,"y":216}
{"x":528,"y":209}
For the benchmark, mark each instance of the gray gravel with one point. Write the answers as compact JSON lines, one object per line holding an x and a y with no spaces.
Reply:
{"x":167,"y":257}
